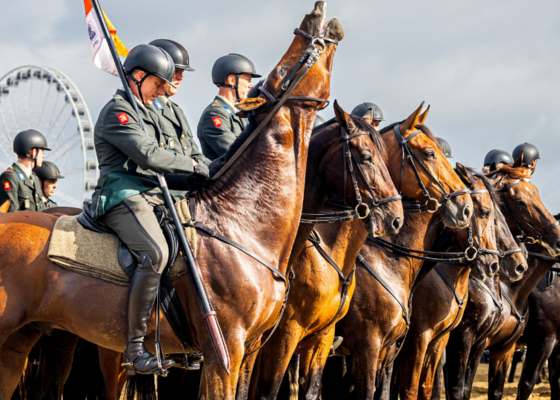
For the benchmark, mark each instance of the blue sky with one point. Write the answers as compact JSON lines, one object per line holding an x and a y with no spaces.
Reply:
{"x":489,"y":69}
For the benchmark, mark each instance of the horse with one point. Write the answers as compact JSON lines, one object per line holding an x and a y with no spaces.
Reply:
{"x":324,"y":268}
{"x":496,"y":312}
{"x":268,"y":177}
{"x":439,"y":299}
{"x":377,"y":317}
{"x":541,"y":335}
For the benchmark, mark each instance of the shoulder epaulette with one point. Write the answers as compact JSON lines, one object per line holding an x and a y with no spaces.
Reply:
{"x":215,"y":105}
{"x":9,"y":170}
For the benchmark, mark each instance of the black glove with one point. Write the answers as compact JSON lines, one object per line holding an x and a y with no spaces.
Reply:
{"x":202,"y":169}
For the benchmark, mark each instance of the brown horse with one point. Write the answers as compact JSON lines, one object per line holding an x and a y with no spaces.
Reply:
{"x":439,"y":299}
{"x":375,"y":318}
{"x":268,"y":177}
{"x":485,"y":324}
{"x":322,"y":291}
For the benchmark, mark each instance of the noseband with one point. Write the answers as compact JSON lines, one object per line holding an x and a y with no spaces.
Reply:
{"x":523,"y":237}
{"x":409,"y":154}
{"x":350,"y":161}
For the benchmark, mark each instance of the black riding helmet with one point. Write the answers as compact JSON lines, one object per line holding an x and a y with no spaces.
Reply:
{"x":27,"y":140}
{"x":152,"y":60}
{"x":318,"y":121}
{"x":495,"y":157}
{"x":232,"y":64}
{"x":48,"y":171}
{"x":177,"y":52}
{"x":361,"y":109}
{"x":445,"y":147}
{"x":529,"y":151}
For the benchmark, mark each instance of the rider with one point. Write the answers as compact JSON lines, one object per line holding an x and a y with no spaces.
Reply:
{"x":127,"y":190}
{"x":18,"y":182}
{"x":177,"y":136}
{"x":496,"y":159}
{"x":445,"y":147}
{"x":318,"y":121}
{"x":530,"y":156}
{"x":361,"y":109}
{"x":219,"y":125}
{"x":48,"y":174}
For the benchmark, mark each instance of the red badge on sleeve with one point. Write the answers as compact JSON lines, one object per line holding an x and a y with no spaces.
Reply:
{"x":217,"y":122}
{"x":7,"y":185}
{"x":123,"y":118}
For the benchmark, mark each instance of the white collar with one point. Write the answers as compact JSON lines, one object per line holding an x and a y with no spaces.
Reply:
{"x":27,"y":171}
{"x":232,"y":108}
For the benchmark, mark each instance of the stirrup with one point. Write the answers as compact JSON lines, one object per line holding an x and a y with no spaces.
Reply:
{"x":157,"y":370}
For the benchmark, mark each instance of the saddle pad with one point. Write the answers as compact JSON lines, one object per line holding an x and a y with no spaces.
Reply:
{"x":96,"y":254}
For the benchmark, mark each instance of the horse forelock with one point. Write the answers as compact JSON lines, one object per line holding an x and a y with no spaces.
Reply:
{"x":511,"y":172}
{"x":494,"y":193}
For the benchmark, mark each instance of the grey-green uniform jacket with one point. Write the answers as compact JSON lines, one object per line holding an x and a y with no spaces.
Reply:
{"x":177,"y":135}
{"x":24,"y":193}
{"x":128,"y":159}
{"x":218,"y":128}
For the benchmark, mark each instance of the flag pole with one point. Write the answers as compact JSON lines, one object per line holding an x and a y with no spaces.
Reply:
{"x":208,"y":313}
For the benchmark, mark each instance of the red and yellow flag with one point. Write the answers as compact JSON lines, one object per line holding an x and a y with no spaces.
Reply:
{"x":99,"y":47}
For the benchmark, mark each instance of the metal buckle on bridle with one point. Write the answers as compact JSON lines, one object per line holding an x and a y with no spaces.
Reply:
{"x":436,"y":203}
{"x":367,"y":211}
{"x":467,"y":253}
{"x":531,"y":240}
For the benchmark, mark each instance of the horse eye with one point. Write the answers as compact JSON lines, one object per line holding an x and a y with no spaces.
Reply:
{"x":430,"y":155}
{"x":282,"y":71}
{"x":366,"y":158}
{"x":485,"y":213}
{"x":520,"y":203}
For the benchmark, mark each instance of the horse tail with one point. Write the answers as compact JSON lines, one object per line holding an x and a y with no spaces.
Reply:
{"x":140,"y":387}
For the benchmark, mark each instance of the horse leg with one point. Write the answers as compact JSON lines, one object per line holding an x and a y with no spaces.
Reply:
{"x":474,"y":360}
{"x":113,"y":373}
{"x":414,"y":351}
{"x":365,"y":363}
{"x":13,"y":353}
{"x":517,"y":358}
{"x":312,"y":361}
{"x":554,"y":373}
{"x":220,"y":384}
{"x":499,"y":363}
{"x":438,"y":382}
{"x":458,"y":353}
{"x":538,"y":351}
{"x":430,"y":369}
{"x":244,"y":384}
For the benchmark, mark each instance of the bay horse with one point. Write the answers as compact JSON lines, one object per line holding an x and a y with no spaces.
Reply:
{"x":268,"y":178}
{"x":324,"y":268}
{"x":496,"y":314}
{"x":439,"y":299}
{"x":377,"y":317}
{"x":542,"y":336}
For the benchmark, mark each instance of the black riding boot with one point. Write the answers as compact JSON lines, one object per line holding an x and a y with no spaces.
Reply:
{"x":141,"y":296}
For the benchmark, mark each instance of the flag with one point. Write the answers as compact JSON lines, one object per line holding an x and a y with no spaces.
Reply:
{"x":99,"y":48}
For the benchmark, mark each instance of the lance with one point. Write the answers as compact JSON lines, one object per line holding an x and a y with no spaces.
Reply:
{"x":208,"y":314}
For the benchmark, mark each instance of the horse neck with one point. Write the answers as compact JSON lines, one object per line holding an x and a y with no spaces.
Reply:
{"x":260,"y":198}
{"x":521,"y":289}
{"x":345,"y":240}
{"x":419,"y":233}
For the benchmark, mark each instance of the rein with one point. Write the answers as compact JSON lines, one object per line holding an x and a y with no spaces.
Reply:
{"x":350,"y":161}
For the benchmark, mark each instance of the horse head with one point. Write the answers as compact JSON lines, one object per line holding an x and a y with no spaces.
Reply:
{"x":514,"y":262}
{"x":421,"y":170}
{"x":351,"y":166}
{"x":480,"y":238}
{"x":525,"y":213}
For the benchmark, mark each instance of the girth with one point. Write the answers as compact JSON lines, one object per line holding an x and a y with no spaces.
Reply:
{"x":520,"y":318}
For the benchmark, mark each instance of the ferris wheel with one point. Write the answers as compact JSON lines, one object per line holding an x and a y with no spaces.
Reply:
{"x":47,"y":100}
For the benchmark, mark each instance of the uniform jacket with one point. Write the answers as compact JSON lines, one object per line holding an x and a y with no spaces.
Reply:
{"x":218,"y":128}
{"x":128,"y":159}
{"x":24,"y":193}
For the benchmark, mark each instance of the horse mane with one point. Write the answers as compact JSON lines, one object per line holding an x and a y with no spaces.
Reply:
{"x":494,"y":193}
{"x":512,"y":172}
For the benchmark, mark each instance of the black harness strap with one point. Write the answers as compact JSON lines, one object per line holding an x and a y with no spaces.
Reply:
{"x":480,"y":283}
{"x":460,"y":302}
{"x":514,"y":310}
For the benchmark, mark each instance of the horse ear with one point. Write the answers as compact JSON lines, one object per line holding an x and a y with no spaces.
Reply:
{"x":251,"y":103}
{"x":412,"y":120}
{"x":343,"y":118}
{"x":465,"y":173}
{"x":519,"y":161}
{"x":424,"y":115}
{"x":5,"y":207}
{"x":368,"y":117}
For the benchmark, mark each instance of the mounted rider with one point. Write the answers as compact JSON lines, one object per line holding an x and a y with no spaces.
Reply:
{"x":177,"y":135}
{"x":48,"y":175}
{"x":127,"y":190}
{"x":219,"y":125}
{"x":529,"y":155}
{"x":361,"y":109}
{"x":318,"y":121}
{"x":445,"y":147}
{"x":19,"y":183}
{"x":496,"y":159}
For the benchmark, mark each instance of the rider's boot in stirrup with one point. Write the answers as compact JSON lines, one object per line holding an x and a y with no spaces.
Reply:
{"x":141,"y":296}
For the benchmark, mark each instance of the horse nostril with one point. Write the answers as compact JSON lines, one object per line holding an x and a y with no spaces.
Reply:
{"x":557,"y":245}
{"x":467,"y":212}
{"x":520,"y":269}
{"x":494,"y":267}
{"x":397,"y":223}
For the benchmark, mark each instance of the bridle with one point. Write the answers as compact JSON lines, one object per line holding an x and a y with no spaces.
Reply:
{"x":350,"y":161}
{"x":409,"y":154}
{"x":517,"y":219}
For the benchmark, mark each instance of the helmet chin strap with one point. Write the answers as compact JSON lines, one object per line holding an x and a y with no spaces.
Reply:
{"x":139,"y":85}
{"x":236,"y":87}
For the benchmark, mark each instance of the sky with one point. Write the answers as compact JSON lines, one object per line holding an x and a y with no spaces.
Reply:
{"x":489,"y":69}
